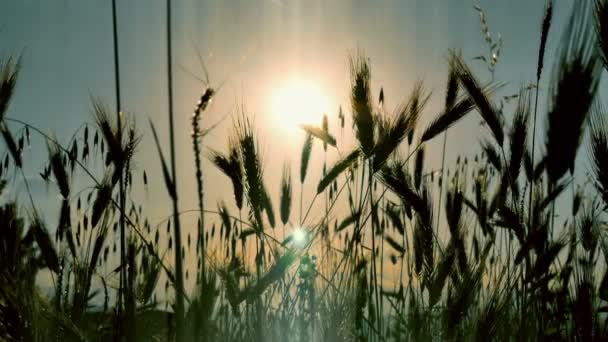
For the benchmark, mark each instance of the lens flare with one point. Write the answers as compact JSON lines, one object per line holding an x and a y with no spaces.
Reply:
{"x":299,"y":237}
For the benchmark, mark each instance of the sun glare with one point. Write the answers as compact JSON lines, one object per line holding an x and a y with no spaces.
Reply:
{"x":299,"y":102}
{"x":299,"y":237}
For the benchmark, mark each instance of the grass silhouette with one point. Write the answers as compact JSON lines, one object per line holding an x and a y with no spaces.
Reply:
{"x":377,"y":264}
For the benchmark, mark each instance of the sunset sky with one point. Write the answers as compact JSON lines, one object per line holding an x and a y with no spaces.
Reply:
{"x":258,"y":51}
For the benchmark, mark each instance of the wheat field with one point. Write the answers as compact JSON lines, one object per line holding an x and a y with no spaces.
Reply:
{"x":395,"y":251}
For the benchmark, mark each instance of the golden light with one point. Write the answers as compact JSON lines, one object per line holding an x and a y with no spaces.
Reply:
{"x":299,"y":102}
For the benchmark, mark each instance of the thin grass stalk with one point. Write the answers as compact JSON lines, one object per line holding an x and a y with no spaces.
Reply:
{"x":196,"y":143}
{"x":179,"y":283}
{"x":532,"y":183}
{"x":374,"y":272}
{"x":383,"y":200}
{"x":301,"y":200}
{"x":445,"y":141}
{"x":451,"y":94}
{"x":546,"y":25}
{"x":123,"y":271}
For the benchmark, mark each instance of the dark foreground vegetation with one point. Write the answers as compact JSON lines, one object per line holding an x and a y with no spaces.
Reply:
{"x":481,"y":252}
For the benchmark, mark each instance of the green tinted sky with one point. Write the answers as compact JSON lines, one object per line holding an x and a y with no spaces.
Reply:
{"x":250,"y":47}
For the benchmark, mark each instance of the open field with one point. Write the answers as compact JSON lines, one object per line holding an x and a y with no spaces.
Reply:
{"x":379,"y":247}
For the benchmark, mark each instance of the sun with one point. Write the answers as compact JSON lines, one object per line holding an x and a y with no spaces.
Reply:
{"x":299,"y":102}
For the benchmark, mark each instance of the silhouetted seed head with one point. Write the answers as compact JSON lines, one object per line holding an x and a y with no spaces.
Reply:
{"x":305,"y":158}
{"x":61,"y":175}
{"x":518,"y":135}
{"x":286,"y":194}
{"x":102,"y":201}
{"x":325,"y":128}
{"x":340,"y":166}
{"x":9,"y":72}
{"x":361,"y":102}
{"x":546,"y":25}
{"x":575,"y":82}
{"x":230,"y":165}
{"x":479,"y":96}
{"x":599,"y":150}
{"x":392,"y":131}
{"x":601,"y":18}
{"x":419,"y":167}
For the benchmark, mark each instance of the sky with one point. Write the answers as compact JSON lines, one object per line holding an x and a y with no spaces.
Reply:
{"x":253,"y":50}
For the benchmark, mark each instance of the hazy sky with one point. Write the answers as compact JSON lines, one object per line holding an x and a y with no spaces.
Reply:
{"x":252,"y":48}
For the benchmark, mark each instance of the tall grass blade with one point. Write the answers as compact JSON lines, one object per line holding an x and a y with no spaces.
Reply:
{"x":337,"y":169}
{"x":480,"y":98}
{"x":575,"y":82}
{"x":169,"y":185}
{"x":351,"y":219}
